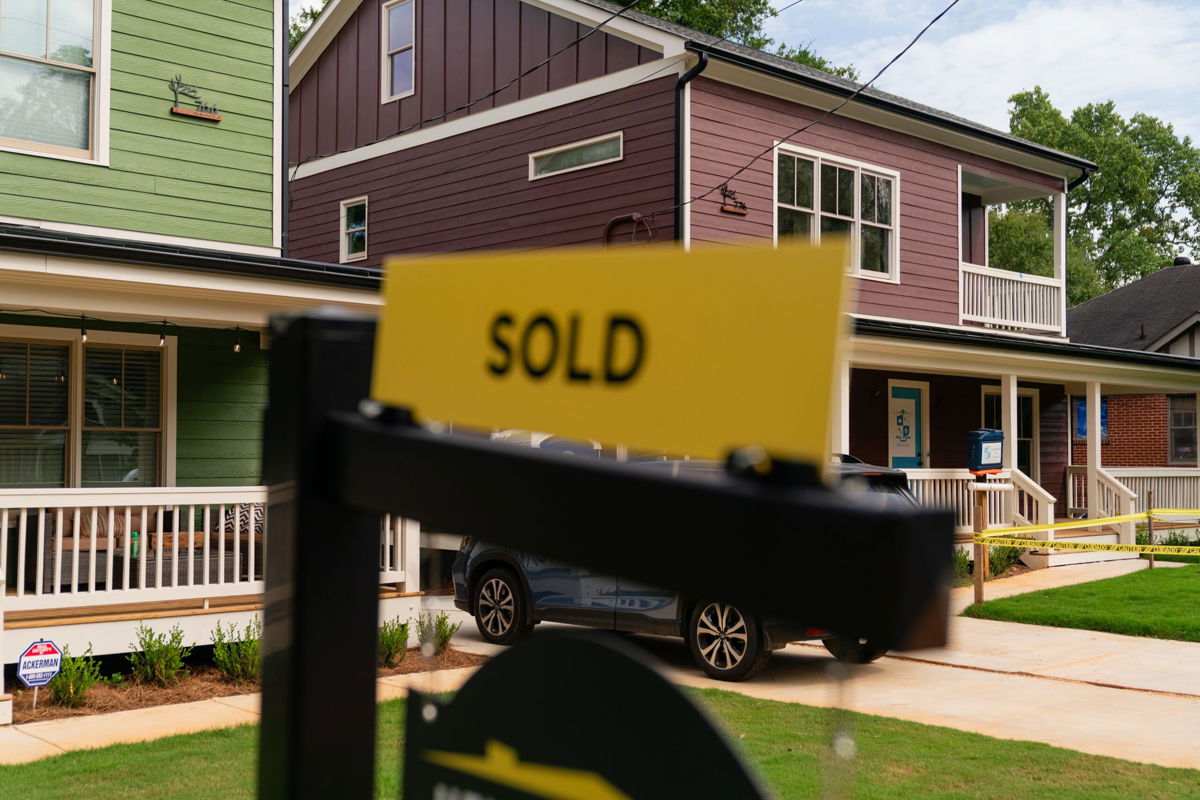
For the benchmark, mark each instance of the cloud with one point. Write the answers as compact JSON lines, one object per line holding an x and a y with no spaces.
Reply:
{"x":1140,"y":53}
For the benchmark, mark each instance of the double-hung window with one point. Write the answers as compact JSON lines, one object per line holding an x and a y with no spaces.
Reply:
{"x":82,"y":415}
{"x":354,"y":230}
{"x":49,"y":76}
{"x":817,"y":195}
{"x":399,"y":49}
{"x":1182,"y":428}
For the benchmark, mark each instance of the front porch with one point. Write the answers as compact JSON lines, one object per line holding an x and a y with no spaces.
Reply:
{"x":911,"y":404}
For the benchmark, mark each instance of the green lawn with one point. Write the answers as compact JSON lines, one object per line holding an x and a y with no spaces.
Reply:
{"x":788,"y":743}
{"x":1163,"y":603}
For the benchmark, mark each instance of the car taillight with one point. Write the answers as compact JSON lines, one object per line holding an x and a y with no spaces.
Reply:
{"x":815,"y":632}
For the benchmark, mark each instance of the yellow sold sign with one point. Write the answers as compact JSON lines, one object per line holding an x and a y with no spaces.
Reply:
{"x":685,"y":353}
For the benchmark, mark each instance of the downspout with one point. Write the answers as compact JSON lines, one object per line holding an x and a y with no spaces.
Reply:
{"x":285,"y":51}
{"x":1083,"y":176}
{"x":680,"y":192}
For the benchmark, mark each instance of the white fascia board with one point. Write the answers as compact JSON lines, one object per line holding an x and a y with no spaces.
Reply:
{"x":133,"y":292}
{"x":1073,"y":372}
{"x":755,"y":81}
{"x":308,"y":49}
{"x":494,"y":116}
{"x":631,"y":30}
{"x":1173,"y":334}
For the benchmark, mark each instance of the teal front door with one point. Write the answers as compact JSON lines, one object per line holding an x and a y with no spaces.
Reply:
{"x":906,"y":427}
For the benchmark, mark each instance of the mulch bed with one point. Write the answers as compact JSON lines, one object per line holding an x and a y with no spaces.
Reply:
{"x":203,"y":683}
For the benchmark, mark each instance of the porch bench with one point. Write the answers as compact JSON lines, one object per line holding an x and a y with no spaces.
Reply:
{"x":232,"y":568}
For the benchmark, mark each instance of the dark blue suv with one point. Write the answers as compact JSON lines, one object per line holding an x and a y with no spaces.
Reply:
{"x":508,"y":592}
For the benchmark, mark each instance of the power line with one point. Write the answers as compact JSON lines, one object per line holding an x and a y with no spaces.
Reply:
{"x":819,"y":119}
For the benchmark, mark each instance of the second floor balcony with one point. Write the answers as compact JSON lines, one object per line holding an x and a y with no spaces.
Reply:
{"x":1005,"y":298}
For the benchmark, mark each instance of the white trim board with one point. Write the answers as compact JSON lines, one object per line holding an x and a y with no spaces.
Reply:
{"x":318,"y":37}
{"x":139,"y":236}
{"x":510,"y":111}
{"x":277,"y":143}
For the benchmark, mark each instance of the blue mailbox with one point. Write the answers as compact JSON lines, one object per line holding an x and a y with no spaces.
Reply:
{"x":986,"y":451}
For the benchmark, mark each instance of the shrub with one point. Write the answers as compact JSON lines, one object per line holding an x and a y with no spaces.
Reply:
{"x":1001,"y":558}
{"x":237,"y":659}
{"x":393,"y":642}
{"x":962,"y":566}
{"x":437,"y":632}
{"x":77,"y":675}
{"x":158,"y":658}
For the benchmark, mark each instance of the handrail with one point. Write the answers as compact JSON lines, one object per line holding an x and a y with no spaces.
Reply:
{"x":1006,"y":274}
{"x":133,"y":496}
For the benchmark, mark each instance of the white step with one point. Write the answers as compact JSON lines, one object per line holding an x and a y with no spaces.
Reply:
{"x":1059,"y":558}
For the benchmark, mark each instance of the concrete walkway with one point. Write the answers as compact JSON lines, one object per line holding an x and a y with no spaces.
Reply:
{"x":1131,"y":698}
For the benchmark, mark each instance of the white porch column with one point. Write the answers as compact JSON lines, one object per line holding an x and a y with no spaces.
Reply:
{"x":1008,"y":424}
{"x":839,"y":428}
{"x":1093,"y":449}
{"x":5,"y":699}
{"x":1059,"y":233}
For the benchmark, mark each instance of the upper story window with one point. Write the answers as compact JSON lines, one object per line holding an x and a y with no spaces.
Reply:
{"x":818,"y":195}
{"x":399,"y":49}
{"x":577,"y":155}
{"x":353,"y":230}
{"x":48,"y":75}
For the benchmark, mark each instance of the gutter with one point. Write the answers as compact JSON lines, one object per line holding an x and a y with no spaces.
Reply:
{"x":680,"y":190}
{"x":875,"y":101}
{"x":1087,"y":173}
{"x":921,"y":333}
{"x":39,"y":242}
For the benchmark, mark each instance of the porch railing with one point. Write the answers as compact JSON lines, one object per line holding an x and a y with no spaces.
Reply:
{"x":84,"y":547}
{"x":1027,"y":504}
{"x":1115,"y":498}
{"x":1174,"y":487}
{"x":1011,"y":299}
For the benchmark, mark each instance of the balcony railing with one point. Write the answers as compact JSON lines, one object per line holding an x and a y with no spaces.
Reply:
{"x":1011,"y":299}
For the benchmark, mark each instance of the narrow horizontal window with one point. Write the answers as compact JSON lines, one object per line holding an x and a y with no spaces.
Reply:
{"x":578,"y":155}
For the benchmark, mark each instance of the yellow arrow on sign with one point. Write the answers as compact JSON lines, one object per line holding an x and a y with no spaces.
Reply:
{"x":499,"y":764}
{"x":685,"y":353}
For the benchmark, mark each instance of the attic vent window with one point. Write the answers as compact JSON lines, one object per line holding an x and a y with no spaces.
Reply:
{"x":577,"y":155}
{"x":399,"y":49}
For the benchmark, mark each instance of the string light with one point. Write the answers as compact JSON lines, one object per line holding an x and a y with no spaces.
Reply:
{"x":83,"y":329}
{"x":237,"y":339}
{"x":162,"y":337}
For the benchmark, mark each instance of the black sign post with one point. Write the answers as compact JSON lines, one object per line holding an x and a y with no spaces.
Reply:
{"x":751,"y":536}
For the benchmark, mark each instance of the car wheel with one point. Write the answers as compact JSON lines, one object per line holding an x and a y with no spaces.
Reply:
{"x":853,"y":651}
{"x":726,"y":642}
{"x":500,"y":612}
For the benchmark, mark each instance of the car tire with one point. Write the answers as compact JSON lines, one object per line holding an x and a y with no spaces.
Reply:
{"x":850,"y":650}
{"x":501,"y":613}
{"x":726,"y":642}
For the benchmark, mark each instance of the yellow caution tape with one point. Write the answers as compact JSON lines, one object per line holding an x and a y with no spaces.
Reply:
{"x":1175,"y":512}
{"x":1032,"y":544}
{"x":1062,"y":526}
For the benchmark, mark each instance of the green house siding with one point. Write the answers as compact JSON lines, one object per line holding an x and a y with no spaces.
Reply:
{"x":220,"y":398}
{"x":222,"y":395}
{"x":171,"y":174}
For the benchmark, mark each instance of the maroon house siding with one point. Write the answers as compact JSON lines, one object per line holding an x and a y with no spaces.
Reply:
{"x":730,"y":125}
{"x":955,"y":407}
{"x":473,"y":191}
{"x":465,"y":50}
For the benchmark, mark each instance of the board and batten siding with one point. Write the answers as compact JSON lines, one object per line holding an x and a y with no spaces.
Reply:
{"x":466,"y":49}
{"x":473,"y":191}
{"x":170,"y":174}
{"x":730,"y":125}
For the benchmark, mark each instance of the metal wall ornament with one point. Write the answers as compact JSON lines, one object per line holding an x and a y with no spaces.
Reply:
{"x":730,"y":203}
{"x":202,"y":109}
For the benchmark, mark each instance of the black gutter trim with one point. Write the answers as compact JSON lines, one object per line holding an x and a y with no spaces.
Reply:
{"x":992,"y":341}
{"x":683,"y":81}
{"x":897,"y":108}
{"x":35,"y":240}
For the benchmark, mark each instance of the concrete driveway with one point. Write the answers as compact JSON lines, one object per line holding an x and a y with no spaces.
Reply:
{"x":1120,"y":696}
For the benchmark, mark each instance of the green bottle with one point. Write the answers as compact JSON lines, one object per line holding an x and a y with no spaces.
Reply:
{"x":134,"y":544}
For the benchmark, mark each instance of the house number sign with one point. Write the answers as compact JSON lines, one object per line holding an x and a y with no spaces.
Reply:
{"x":201,"y":109}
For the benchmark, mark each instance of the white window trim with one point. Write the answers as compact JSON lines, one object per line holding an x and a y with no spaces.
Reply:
{"x":926,"y":424}
{"x":815,"y":237}
{"x":101,"y":105}
{"x":343,"y":256}
{"x":170,"y":367}
{"x":385,"y":62}
{"x":1172,"y":428}
{"x":618,"y":135}
{"x":1036,"y":440}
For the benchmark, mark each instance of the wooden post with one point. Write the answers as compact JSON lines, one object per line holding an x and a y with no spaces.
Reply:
{"x":1150,"y":525}
{"x":981,"y":550}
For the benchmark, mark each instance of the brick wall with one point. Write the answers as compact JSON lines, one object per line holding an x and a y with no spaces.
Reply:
{"x":1137,"y":433}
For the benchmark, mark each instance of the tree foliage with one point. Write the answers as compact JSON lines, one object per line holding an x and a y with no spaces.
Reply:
{"x":738,"y":20}
{"x":1130,"y":218}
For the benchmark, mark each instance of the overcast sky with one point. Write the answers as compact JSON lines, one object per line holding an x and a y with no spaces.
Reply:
{"x":1144,"y":54}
